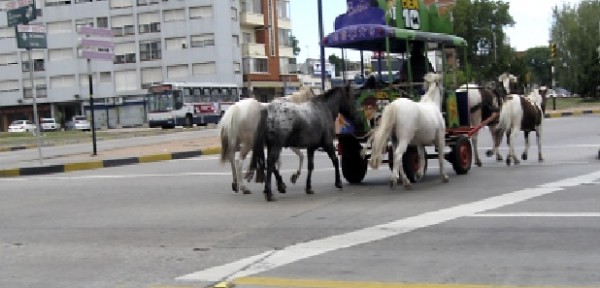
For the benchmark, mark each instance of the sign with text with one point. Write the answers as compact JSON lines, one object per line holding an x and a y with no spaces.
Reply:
{"x":31,"y":37}
{"x":97,"y":43}
{"x":20,"y":12}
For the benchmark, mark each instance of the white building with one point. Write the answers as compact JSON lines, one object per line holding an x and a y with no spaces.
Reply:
{"x":155,"y":41}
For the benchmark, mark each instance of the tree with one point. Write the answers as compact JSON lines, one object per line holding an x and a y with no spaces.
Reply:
{"x":478,"y":22}
{"x":540,"y":65}
{"x":575,"y":32}
{"x":337,"y":62}
{"x":295,"y":45}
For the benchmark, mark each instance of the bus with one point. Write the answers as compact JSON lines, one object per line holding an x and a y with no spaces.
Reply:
{"x":173,"y":104}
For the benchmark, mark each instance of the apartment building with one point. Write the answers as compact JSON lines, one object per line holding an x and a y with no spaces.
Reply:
{"x":155,"y":41}
{"x":269,"y":63}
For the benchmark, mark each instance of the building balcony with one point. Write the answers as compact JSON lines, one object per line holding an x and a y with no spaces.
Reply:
{"x":252,"y":19}
{"x":285,"y":51}
{"x":253,"y":50}
{"x":284,"y":23}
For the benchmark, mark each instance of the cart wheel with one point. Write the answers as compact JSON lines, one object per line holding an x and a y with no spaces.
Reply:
{"x":354,"y":167}
{"x":410,"y":163}
{"x":461,"y":155}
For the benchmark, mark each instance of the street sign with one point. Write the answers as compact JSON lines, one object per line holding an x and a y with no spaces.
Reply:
{"x":97,"y":43}
{"x":31,"y":37}
{"x":20,"y":12}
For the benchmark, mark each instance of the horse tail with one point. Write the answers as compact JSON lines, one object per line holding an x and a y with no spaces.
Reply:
{"x":257,"y":161}
{"x":382,"y":133}
{"x":228,"y":127}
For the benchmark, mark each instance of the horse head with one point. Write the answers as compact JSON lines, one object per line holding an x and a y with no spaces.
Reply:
{"x":432,"y":85}
{"x":509,"y":82}
{"x":346,"y":104}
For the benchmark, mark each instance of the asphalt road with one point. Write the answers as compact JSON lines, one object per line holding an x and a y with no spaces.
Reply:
{"x":178,"y":224}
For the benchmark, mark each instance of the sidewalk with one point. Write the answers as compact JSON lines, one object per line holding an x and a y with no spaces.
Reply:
{"x":157,"y":152}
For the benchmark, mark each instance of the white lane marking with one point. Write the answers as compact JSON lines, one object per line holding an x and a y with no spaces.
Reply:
{"x":276,"y":258}
{"x":537,"y":214}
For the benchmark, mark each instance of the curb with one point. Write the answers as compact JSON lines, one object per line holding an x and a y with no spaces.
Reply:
{"x":88,"y":165}
{"x":573,"y":113}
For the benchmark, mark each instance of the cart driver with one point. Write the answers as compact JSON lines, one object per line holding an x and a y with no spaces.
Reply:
{"x":418,"y":60}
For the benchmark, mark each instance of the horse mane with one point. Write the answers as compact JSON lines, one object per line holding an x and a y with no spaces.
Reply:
{"x":300,"y":96}
{"x":431,"y":84}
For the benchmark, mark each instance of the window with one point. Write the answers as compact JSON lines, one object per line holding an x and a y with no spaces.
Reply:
{"x":174,"y":15}
{"x":124,"y":53}
{"x":8,"y":59}
{"x":122,"y":25}
{"x":283,"y":9}
{"x":105,"y":77}
{"x":151,"y":76}
{"x":149,"y":22}
{"x":41,"y":90}
{"x":177,"y":72}
{"x":284,"y":37}
{"x":59,"y":27}
{"x":255,"y":65}
{"x":9,"y":86}
{"x":60,"y":54}
{"x":83,"y":1}
{"x":204,"y":68}
{"x":84,"y":22}
{"x":102,"y":22}
{"x":235,"y":40}
{"x":117,"y":4}
{"x":62,"y":81}
{"x":150,"y":50}
{"x":287,"y":65}
{"x":50,"y":3}
{"x":247,"y":37}
{"x":146,"y":2}
{"x":237,"y":67}
{"x":38,"y":64}
{"x":252,"y":6}
{"x":203,"y":40}
{"x":234,"y":14}
{"x":176,"y":43}
{"x":7,"y":32}
{"x":201,"y":12}
{"x":125,"y":80}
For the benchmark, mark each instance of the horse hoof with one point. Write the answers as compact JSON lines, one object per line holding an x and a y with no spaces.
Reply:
{"x":478,"y":163}
{"x":445,"y":179}
{"x":338,"y":185}
{"x":507,"y":161}
{"x":234,"y":187}
{"x":408,"y":186}
{"x":246,"y":191}
{"x":294,"y":178}
{"x":489,"y":153}
{"x":540,"y":160}
{"x":393,"y":184}
{"x":499,"y":158}
{"x":517,"y":162}
{"x":269,"y":197}
{"x":310,"y":191}
{"x":524,"y":157}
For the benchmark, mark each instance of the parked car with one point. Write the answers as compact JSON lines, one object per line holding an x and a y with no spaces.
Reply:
{"x":49,"y":124}
{"x":79,"y":122}
{"x":21,"y":126}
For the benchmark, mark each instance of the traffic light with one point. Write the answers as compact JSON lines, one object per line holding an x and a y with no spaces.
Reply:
{"x":553,"y":50}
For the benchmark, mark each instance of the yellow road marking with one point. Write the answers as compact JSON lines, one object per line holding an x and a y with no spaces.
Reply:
{"x":83,"y":166}
{"x":154,"y":158}
{"x":10,"y":172}
{"x":211,"y":151}
{"x":313,"y":283}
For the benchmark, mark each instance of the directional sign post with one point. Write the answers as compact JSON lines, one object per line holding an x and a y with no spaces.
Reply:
{"x":31,"y":37}
{"x":20,"y":12}
{"x":97,"y":44}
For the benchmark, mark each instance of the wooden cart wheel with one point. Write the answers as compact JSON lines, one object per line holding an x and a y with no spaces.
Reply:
{"x":461,"y":155}
{"x":354,"y":167}
{"x":410,"y":163}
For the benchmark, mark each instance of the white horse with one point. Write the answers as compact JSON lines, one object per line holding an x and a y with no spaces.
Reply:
{"x":237,"y":128}
{"x":521,"y":113}
{"x":416,"y":123}
{"x":483,"y":101}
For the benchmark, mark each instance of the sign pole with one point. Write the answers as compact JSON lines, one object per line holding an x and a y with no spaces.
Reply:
{"x":93,"y":122}
{"x":38,"y":131}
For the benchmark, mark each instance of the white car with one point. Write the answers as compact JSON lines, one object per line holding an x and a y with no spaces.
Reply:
{"x":21,"y":126}
{"x":49,"y":124}
{"x":79,"y":122}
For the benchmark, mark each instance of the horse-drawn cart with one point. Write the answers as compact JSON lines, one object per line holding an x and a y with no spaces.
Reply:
{"x":369,"y":26}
